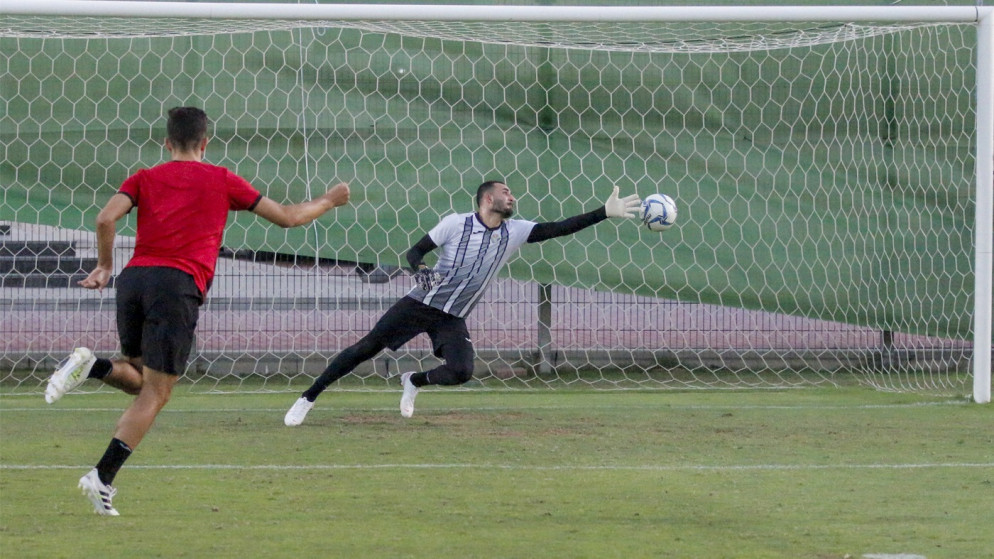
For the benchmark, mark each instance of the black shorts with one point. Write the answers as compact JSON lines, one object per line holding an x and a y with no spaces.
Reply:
{"x":408,"y":317}
{"x":157,"y":311}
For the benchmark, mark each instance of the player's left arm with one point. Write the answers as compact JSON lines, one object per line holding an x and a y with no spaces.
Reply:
{"x":613,"y":207}
{"x":295,"y":215}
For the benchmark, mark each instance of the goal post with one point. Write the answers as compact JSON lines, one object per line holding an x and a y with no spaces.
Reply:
{"x":983,"y":333}
{"x":276,"y":11}
{"x":827,"y":160}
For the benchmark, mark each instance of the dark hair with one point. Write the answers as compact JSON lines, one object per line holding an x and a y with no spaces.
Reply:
{"x":484,"y":188}
{"x":186,"y":128}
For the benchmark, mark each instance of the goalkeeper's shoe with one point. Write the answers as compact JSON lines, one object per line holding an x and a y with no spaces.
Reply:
{"x":70,"y":375}
{"x":410,"y":393}
{"x":99,"y":493}
{"x":297,"y":412}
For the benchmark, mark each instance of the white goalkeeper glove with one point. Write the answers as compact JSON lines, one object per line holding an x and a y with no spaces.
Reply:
{"x":427,"y":279}
{"x":622,"y":207}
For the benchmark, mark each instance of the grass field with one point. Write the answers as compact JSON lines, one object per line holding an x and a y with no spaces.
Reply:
{"x":812,"y":473}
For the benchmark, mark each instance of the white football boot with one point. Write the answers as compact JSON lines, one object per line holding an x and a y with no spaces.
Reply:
{"x":410,"y":393}
{"x":70,"y":375}
{"x":99,"y":493}
{"x":297,"y":412}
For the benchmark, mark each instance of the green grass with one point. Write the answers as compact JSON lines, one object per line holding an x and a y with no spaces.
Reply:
{"x":813,"y":473}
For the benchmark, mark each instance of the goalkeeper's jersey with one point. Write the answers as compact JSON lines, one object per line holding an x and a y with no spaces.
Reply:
{"x":471,"y":255}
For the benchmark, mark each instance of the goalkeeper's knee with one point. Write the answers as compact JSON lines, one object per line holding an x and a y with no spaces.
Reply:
{"x":451,"y":374}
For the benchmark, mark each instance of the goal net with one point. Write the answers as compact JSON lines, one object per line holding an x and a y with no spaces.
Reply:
{"x":825,"y":174}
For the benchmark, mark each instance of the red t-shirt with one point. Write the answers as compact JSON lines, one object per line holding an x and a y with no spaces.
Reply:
{"x":182,"y":210}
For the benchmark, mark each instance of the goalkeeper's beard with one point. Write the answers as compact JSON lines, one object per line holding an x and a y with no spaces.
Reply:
{"x":505,"y":212}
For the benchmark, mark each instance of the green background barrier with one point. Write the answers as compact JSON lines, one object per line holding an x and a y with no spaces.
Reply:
{"x":833,"y":181}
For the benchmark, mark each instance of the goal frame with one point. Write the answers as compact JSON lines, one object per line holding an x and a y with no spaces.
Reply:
{"x":981,"y":17}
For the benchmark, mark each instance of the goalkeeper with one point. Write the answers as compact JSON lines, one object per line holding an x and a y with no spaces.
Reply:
{"x":474,"y":247}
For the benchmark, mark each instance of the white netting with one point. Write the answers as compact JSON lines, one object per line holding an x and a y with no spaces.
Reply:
{"x":637,"y":37}
{"x":778,"y":141}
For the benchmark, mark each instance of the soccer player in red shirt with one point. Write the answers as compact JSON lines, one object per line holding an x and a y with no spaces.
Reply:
{"x":183,"y":207}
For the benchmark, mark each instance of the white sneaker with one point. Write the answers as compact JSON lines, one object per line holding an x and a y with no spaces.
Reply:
{"x":410,"y":393}
{"x":98,"y":493}
{"x":297,"y":412}
{"x":70,"y":375}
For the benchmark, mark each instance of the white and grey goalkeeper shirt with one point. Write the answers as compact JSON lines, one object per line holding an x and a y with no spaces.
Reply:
{"x":471,"y":255}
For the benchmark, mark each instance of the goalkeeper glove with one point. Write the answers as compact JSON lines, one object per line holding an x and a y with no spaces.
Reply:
{"x":427,"y":279}
{"x":622,"y":207}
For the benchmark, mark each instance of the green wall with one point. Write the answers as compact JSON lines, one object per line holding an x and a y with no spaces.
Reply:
{"x":843,"y":193}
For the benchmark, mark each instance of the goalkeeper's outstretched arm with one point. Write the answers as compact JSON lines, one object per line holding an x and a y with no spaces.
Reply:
{"x":614,"y":207}
{"x":545,"y":231}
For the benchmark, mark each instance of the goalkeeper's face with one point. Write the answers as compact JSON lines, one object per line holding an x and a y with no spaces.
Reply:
{"x":502,"y":201}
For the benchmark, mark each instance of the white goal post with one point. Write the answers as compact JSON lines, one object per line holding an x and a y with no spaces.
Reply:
{"x":459,"y":12}
{"x":76,"y":19}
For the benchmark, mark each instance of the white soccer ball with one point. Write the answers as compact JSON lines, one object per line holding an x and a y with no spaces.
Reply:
{"x":658,"y":212}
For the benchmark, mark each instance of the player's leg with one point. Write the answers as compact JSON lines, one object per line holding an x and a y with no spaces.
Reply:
{"x":395,"y":328}
{"x":343,"y":364}
{"x":453,"y":344}
{"x":123,"y":374}
{"x":170,"y":308}
{"x":138,"y":417}
{"x":136,"y":421}
{"x":131,"y":429}
{"x":132,"y":311}
{"x":126,"y":374}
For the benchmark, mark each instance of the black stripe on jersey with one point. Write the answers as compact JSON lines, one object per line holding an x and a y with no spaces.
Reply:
{"x":472,"y":292}
{"x":436,"y":296}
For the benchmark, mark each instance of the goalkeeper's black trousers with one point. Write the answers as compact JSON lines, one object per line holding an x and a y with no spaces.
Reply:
{"x":403,"y":321}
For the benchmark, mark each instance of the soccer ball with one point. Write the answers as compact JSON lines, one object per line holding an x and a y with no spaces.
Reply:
{"x":658,"y":212}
